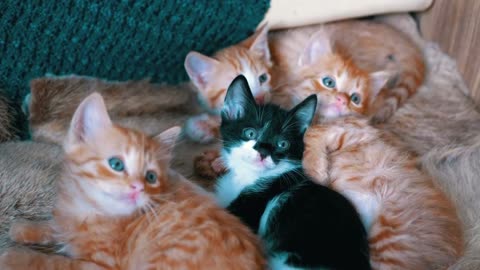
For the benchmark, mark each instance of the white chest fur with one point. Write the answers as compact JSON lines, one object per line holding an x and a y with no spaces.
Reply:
{"x":231,"y":185}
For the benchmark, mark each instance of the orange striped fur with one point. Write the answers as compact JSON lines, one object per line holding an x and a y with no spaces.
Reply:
{"x":110,"y":219}
{"x":411,"y":223}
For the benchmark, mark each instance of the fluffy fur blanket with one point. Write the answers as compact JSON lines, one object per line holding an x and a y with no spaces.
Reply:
{"x":441,"y":123}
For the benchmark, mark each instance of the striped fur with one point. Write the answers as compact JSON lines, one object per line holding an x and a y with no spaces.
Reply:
{"x":105,"y":221}
{"x":412,"y":224}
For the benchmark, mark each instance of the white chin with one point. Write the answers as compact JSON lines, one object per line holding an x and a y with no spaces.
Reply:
{"x":331,"y":113}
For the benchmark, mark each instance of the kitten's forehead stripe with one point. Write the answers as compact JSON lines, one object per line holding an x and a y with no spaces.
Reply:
{"x":249,"y":75}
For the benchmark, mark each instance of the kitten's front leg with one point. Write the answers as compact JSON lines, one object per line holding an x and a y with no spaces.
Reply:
{"x":29,"y":232}
{"x":23,"y":259}
{"x":249,"y":207}
{"x":203,"y":128}
{"x":315,"y":155}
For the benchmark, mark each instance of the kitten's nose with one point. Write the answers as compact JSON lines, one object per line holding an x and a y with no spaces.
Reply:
{"x":341,"y":99}
{"x":137,"y":186}
{"x":262,"y":150}
{"x":260,"y":99}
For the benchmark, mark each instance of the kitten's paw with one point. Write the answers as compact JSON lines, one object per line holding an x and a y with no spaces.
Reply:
{"x":203,"y":128}
{"x":381,"y":116}
{"x":209,"y":165}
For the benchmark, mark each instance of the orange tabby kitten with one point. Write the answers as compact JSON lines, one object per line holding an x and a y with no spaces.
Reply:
{"x":341,"y":87}
{"x":120,"y":207}
{"x":367,"y":67}
{"x":211,"y":76}
{"x":411,"y":223}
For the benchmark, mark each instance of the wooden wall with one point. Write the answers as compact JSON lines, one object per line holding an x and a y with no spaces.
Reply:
{"x":455,"y":25}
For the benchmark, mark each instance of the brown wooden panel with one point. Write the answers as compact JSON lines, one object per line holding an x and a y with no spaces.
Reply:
{"x":455,"y":25}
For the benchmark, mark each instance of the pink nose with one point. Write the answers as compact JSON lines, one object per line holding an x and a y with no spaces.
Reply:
{"x":137,"y":186}
{"x":341,"y":100}
{"x":260,"y":99}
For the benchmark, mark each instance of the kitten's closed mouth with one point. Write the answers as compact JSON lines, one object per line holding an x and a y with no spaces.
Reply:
{"x":265,"y":163}
{"x":127,"y":197}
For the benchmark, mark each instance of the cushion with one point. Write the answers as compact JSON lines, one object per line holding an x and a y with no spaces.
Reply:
{"x":284,"y":14}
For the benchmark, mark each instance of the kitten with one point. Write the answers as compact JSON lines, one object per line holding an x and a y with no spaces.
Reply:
{"x":341,"y":87}
{"x":119,"y":206}
{"x":410,"y":222}
{"x":212,"y":75}
{"x":303,"y":225}
{"x":357,"y":67}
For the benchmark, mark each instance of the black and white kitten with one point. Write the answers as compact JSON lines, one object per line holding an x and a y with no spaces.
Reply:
{"x":303,"y":225}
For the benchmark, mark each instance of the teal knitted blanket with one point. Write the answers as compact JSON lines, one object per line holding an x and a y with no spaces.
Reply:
{"x":117,"y":39}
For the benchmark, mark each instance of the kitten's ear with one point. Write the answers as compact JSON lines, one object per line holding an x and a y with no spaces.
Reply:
{"x":258,"y":42}
{"x":168,"y":138}
{"x":200,"y":68}
{"x":378,"y":80}
{"x":89,"y":120}
{"x":318,"y":46}
{"x":238,"y":98}
{"x":305,"y":111}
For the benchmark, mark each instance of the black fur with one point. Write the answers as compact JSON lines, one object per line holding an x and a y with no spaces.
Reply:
{"x":314,"y":225}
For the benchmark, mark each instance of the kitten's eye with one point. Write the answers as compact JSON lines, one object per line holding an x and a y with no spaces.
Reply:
{"x":250,"y":133}
{"x":328,"y":82}
{"x":263,"y":78}
{"x":283,"y":145}
{"x":355,"y":98}
{"x":151,"y":177}
{"x":116,"y":164}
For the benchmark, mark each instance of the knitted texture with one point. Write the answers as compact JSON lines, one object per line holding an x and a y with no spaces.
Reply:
{"x":116,"y":40}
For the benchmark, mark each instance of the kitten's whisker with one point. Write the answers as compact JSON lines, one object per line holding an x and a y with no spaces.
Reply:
{"x":153,"y":210}
{"x":145,"y":210}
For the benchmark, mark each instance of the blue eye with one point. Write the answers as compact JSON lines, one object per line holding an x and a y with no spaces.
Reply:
{"x":328,"y":82}
{"x":249,"y":133}
{"x":116,"y":164}
{"x":151,"y":177}
{"x":263,"y":78}
{"x":355,"y":98}
{"x":283,"y":145}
